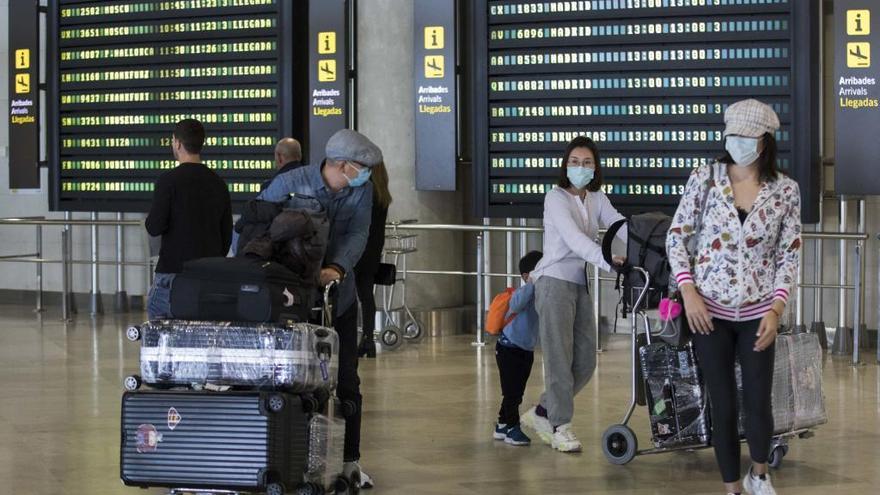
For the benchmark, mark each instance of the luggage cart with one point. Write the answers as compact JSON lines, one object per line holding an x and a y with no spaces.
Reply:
{"x":389,"y":334}
{"x":619,"y":442}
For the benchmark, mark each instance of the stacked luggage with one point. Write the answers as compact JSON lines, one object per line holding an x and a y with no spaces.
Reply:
{"x":236,"y":406}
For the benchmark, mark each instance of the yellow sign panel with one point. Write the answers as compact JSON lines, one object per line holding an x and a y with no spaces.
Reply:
{"x":326,"y":70}
{"x":22,"y":83}
{"x":23,"y":58}
{"x":858,"y":55}
{"x":858,"y":22}
{"x":327,"y":42}
{"x":434,"y":66}
{"x":433,"y":37}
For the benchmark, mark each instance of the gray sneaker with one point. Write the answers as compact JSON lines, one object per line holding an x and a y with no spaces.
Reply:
{"x":540,"y":425}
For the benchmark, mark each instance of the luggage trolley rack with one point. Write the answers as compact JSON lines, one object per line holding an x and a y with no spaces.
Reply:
{"x":397,"y":247}
{"x":619,"y":442}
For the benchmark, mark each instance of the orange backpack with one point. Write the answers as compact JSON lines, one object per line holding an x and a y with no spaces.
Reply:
{"x":495,"y":320}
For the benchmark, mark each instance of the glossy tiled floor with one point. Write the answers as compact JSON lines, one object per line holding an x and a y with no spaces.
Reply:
{"x":429,"y":410}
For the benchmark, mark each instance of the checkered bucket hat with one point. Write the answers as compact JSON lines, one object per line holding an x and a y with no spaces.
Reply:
{"x":750,"y":118}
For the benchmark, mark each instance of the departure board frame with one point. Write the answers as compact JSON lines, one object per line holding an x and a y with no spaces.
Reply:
{"x":229,"y":63}
{"x":648,"y":80}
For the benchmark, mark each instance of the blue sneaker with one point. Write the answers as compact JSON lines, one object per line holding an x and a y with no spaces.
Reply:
{"x":515,"y":436}
{"x":500,"y":431}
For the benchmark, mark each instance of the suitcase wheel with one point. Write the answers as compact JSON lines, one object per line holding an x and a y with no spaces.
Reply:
{"x":349,"y":408}
{"x":133,"y":333}
{"x":274,"y":488}
{"x":619,"y":444}
{"x":310,"y":404}
{"x":776,"y":455}
{"x":391,"y":338}
{"x":276,"y":404}
{"x":309,"y":489}
{"x":132,"y":383}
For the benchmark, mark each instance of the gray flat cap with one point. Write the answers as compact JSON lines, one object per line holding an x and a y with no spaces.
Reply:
{"x":349,"y":145}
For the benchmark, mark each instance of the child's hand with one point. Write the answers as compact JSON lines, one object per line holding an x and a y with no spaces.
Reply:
{"x":619,"y":260}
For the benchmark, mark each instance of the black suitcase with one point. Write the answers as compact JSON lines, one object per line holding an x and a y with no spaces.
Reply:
{"x":676,"y":399}
{"x":297,"y":357}
{"x":240,"y":289}
{"x":235,"y":441}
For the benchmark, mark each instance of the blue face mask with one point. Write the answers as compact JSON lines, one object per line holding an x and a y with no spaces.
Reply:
{"x":362,"y":177}
{"x":580,"y":176}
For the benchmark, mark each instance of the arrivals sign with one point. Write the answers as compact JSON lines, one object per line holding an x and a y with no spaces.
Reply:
{"x":857,"y":96}
{"x":24,"y":95}
{"x":328,"y":73}
{"x":435,"y":92}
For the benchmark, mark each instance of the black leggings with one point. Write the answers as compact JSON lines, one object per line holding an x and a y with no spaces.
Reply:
{"x":716,"y":353}
{"x":364,"y":280}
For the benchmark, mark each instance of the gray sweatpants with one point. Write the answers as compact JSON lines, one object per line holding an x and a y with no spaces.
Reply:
{"x":568,"y":341}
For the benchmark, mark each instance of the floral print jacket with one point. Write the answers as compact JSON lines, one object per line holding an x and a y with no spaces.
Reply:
{"x":739,"y":268}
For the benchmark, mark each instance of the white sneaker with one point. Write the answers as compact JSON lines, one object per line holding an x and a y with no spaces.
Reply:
{"x":564,"y":439}
{"x":540,"y":425}
{"x":758,"y":485}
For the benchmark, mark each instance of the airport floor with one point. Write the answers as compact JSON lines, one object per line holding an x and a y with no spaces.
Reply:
{"x":429,"y":410}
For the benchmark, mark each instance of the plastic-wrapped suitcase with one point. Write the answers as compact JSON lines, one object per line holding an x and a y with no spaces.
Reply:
{"x":798,"y":401}
{"x":677,"y":403}
{"x":236,"y":441}
{"x":298,"y":357}
{"x":240,"y":289}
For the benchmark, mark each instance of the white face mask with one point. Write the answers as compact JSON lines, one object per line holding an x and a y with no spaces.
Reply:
{"x":743,"y":150}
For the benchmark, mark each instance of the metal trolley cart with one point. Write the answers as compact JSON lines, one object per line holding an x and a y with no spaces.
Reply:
{"x":619,"y":442}
{"x":397,"y":247}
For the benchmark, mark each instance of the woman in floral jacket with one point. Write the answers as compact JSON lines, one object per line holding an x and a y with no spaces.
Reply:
{"x":734,"y":247}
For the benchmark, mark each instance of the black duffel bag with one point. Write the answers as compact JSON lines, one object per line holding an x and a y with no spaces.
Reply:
{"x":240,"y":289}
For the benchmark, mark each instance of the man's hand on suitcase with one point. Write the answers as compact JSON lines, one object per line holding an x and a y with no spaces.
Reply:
{"x":329,"y":275}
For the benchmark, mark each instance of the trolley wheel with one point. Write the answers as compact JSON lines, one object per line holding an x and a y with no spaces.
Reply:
{"x":355,"y":483}
{"x":309,"y":489}
{"x":391,"y":338}
{"x":413,"y":331}
{"x":133,"y":333}
{"x":342,"y":486}
{"x":274,"y":488}
{"x":132,"y":383}
{"x":619,"y":444}
{"x":348,"y":408}
{"x":309,"y":404}
{"x":276,"y":403}
{"x":776,"y":455}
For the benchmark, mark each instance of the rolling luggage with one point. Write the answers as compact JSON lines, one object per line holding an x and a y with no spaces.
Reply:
{"x":676,"y":400}
{"x":298,"y":357}
{"x":238,"y":441}
{"x":240,"y":289}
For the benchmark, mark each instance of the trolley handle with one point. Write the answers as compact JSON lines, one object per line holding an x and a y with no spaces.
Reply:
{"x":327,"y":309}
{"x":642,"y":294}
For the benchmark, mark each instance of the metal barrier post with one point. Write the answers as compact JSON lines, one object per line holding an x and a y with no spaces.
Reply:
{"x":39,"y":269}
{"x":818,"y":324}
{"x":857,"y":306}
{"x":487,"y":261}
{"x":508,"y":241}
{"x":862,"y":327}
{"x":843,"y":335}
{"x":596,"y":303}
{"x":95,"y":307}
{"x":65,"y":276}
{"x":68,"y":248}
{"x":877,"y":292}
{"x":799,"y":303}
{"x":523,"y":239}
{"x":120,"y":304}
{"x":479,"y":342}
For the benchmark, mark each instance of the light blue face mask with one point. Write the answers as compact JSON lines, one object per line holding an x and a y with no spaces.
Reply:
{"x":743,"y":150}
{"x":580,"y":176}
{"x":362,"y":177}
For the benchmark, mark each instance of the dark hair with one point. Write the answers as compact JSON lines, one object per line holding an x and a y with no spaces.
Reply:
{"x":530,"y":261}
{"x":191,"y":135}
{"x":767,"y":166}
{"x":581,"y":142}
{"x":379,"y":177}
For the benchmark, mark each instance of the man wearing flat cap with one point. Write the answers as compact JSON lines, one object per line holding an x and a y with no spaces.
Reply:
{"x":341,"y":185}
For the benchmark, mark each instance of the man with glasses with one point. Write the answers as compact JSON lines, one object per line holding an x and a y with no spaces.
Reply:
{"x":341,"y":185}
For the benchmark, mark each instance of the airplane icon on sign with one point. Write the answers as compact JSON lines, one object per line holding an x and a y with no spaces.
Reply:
{"x":858,"y":53}
{"x":327,"y":70}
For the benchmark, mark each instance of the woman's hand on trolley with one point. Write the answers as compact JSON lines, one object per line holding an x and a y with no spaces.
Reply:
{"x":697,"y":315}
{"x":767,"y":330}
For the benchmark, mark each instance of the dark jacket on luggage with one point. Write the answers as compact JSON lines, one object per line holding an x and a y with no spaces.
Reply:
{"x":192,"y":212}
{"x":256,"y":216}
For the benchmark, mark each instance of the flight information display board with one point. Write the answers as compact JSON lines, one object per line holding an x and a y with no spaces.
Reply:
{"x":124,"y":72}
{"x":647,"y":80}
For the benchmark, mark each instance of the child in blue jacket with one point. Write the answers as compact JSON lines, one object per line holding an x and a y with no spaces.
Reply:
{"x":515,"y":354}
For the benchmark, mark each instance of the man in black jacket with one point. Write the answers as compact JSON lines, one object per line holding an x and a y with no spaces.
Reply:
{"x":192,"y":212}
{"x":288,"y":156}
